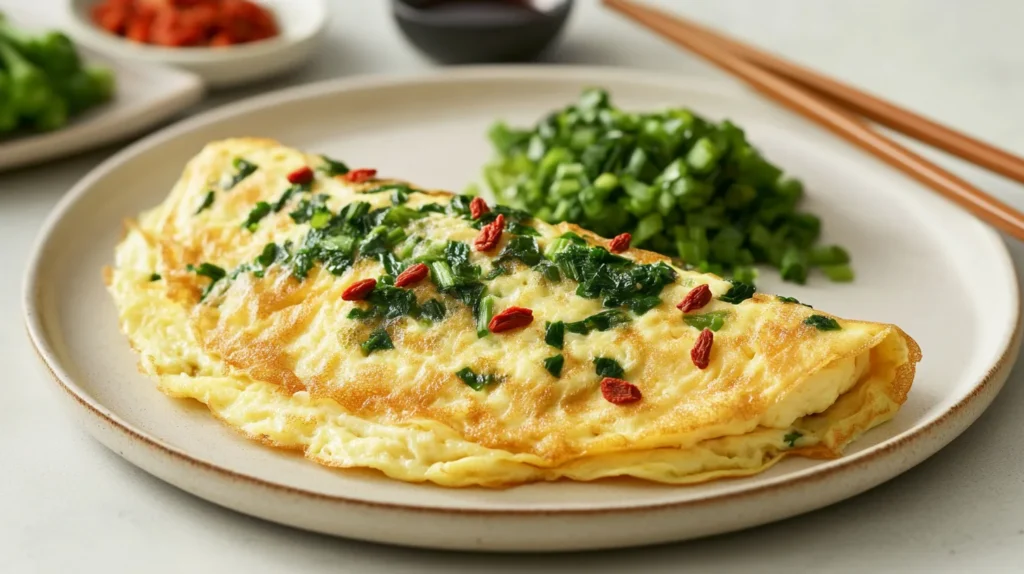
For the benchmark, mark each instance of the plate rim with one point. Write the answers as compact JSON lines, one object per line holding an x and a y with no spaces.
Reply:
{"x":991,"y":383}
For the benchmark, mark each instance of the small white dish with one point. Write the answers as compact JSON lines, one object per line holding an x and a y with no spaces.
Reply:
{"x":301,"y":22}
{"x":922,"y":263}
{"x":145,"y":96}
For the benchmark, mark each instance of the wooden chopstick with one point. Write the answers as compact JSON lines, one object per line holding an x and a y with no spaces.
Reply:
{"x":885,"y":113}
{"x":834,"y":118}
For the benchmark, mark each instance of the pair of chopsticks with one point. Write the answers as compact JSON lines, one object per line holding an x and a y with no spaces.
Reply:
{"x":842,"y":109}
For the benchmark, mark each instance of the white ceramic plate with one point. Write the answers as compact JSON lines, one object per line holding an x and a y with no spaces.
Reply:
{"x":921,"y":263}
{"x":146,"y":95}
{"x":301,"y":22}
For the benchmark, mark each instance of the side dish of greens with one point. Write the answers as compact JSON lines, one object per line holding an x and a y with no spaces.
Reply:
{"x":680,"y":184}
{"x":44,"y":82}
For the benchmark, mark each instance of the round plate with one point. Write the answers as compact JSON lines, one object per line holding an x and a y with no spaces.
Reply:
{"x":921,"y":262}
{"x":301,"y":24}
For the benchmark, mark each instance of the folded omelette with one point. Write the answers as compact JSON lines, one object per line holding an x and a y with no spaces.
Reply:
{"x":369,"y":323}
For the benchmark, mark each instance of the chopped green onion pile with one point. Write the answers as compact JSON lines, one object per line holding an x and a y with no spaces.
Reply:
{"x":680,"y":184}
{"x":43,"y":81}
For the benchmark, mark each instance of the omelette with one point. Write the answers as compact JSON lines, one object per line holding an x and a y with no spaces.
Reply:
{"x":368,"y":323}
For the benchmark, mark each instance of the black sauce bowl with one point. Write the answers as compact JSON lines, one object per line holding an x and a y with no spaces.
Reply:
{"x":455,"y":33}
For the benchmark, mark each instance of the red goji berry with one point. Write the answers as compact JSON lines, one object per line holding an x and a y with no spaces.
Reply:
{"x":360,"y":175}
{"x":359,"y":290}
{"x":478,"y":207}
{"x":412,"y":275}
{"x":301,"y":176}
{"x":700,"y":354}
{"x":619,"y":392}
{"x":490,"y":234}
{"x":695,"y":299}
{"x":620,"y":243}
{"x":511,"y":318}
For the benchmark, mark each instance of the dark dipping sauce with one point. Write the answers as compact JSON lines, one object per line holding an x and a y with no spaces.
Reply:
{"x":472,"y":31}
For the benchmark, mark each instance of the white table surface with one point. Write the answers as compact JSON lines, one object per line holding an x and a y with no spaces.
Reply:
{"x":67,"y":504}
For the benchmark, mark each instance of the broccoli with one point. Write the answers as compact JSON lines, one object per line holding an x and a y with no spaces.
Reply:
{"x":43,"y":81}
{"x":54,"y":116}
{"x":86,"y":88}
{"x":51,"y":51}
{"x":8,"y":115}
{"x":31,"y":92}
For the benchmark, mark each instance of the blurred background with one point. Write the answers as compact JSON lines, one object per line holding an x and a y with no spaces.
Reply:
{"x":949,"y":59}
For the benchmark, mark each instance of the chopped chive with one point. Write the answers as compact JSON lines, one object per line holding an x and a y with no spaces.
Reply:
{"x":606,"y":182}
{"x":608,"y":368}
{"x":154,"y":277}
{"x":703,"y":155}
{"x":842,"y":273}
{"x":659,"y":175}
{"x":554,"y":365}
{"x":261,"y":210}
{"x":287,"y":195}
{"x":738,"y":293}
{"x":321,"y":218}
{"x":498,"y":271}
{"x":433,"y":310}
{"x":483,"y":316}
{"x":332,"y":167}
{"x":554,"y":334}
{"x":379,"y":341}
{"x":208,"y":270}
{"x":828,"y":255}
{"x":243,"y":169}
{"x":523,"y":248}
{"x":343,"y":243}
{"x":744,"y":274}
{"x":549,"y":271}
{"x":713,"y":320}
{"x":265,"y":259}
{"x":793,"y":300}
{"x":792,"y":437}
{"x":794,"y":265}
{"x":516,"y":228}
{"x":556,"y":246}
{"x":211,"y":271}
{"x":599,"y":321}
{"x":442,"y":274}
{"x":473,"y":380}
{"x":207,"y":202}
{"x":359,"y":314}
{"x":822,"y":323}
{"x":389,"y":187}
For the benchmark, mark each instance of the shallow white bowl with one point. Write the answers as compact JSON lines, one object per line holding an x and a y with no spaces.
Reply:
{"x":301,"y":22}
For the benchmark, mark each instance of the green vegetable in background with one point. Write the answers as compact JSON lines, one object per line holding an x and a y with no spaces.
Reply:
{"x":52,"y":51}
{"x":43,"y":81}
{"x":8,"y":114}
{"x":681,"y":184}
{"x":87,"y":87}
{"x":31,"y":93}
